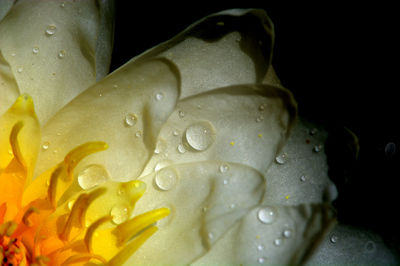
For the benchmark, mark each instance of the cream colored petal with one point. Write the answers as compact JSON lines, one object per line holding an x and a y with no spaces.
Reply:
{"x":223,"y":49}
{"x":126,"y":110}
{"x":204,"y":201}
{"x":245,"y":124}
{"x":300,"y":171}
{"x":51,"y":47}
{"x":285,"y":238}
{"x":5,"y":6}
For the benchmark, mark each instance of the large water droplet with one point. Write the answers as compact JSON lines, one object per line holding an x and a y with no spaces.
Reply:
{"x":120,"y":213}
{"x":200,"y":136}
{"x":92,"y":176}
{"x":166,"y":178}
{"x":266,"y":215}
{"x":130,"y":120}
{"x":281,"y":159}
{"x":35,"y":50}
{"x":50,"y":30}
{"x":61,"y":54}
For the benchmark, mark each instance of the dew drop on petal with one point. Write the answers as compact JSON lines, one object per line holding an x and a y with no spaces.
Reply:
{"x":313,"y":131}
{"x":138,"y":134}
{"x":161,"y":146}
{"x":223,"y":168}
{"x":159,"y":96}
{"x":62,"y":5}
{"x":181,"y":149}
{"x":261,"y":107}
{"x":50,"y":30}
{"x":20,"y":69}
{"x":210,"y":235}
{"x":266,"y":215}
{"x":61,"y":54}
{"x":303,"y":178}
{"x":35,"y":50}
{"x":260,"y":247}
{"x":181,"y":114}
{"x":334,"y":239}
{"x":166,"y":178}
{"x":45,"y":145}
{"x":259,"y":118}
{"x":176,"y":132}
{"x":225,"y":182}
{"x":92,"y":175}
{"x":162,"y":164}
{"x":200,"y":136}
{"x":261,"y":260}
{"x":281,"y":159}
{"x":317,"y":148}
{"x":120,"y":213}
{"x":232,"y":206}
{"x":287,"y":233}
{"x":278,"y":242}
{"x":130,"y":120}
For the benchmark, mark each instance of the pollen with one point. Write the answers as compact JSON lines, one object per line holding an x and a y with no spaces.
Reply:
{"x":38,"y":223}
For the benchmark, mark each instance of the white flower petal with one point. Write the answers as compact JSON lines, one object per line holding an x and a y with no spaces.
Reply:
{"x":5,"y":6}
{"x":122,"y":110}
{"x":51,"y":47}
{"x":245,"y":124}
{"x":287,"y":238}
{"x":204,"y":203}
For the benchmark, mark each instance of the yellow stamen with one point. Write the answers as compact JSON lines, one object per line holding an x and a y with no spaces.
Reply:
{"x":14,"y":142}
{"x":83,"y":258}
{"x":29,"y":212}
{"x":8,"y":228}
{"x":91,"y":230}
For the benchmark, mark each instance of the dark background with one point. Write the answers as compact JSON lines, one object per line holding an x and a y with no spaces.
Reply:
{"x":341,"y":62}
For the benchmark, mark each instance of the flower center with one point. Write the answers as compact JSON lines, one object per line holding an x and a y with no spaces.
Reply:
{"x":12,"y":250}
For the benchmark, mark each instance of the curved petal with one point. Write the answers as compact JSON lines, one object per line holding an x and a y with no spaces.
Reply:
{"x":204,"y":204}
{"x":126,"y":110}
{"x":53,"y":56}
{"x":227,"y":48}
{"x":245,"y":124}
{"x":5,"y":6}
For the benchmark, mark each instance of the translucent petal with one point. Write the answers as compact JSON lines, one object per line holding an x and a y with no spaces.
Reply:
{"x":245,"y":124}
{"x":123,"y":110}
{"x":287,"y":240}
{"x":5,"y":6}
{"x":53,"y":56}
{"x":204,"y":204}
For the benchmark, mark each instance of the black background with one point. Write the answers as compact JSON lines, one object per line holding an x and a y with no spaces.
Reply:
{"x":341,"y":62}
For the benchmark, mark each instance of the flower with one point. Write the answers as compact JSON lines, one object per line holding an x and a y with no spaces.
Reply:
{"x":201,"y":119}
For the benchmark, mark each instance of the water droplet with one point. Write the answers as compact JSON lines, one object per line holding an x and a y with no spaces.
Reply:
{"x":70,"y":204}
{"x":334,"y":239}
{"x":223,"y":168}
{"x":35,"y":50}
{"x":303,"y":178}
{"x":61,"y":54}
{"x":162,"y":164}
{"x":210,"y":235}
{"x":261,"y":260}
{"x":181,"y":149}
{"x":45,"y":145}
{"x":120,"y":213}
{"x":176,"y":132}
{"x":159,"y":96}
{"x":317,"y":148}
{"x":50,"y":30}
{"x":232,"y":206}
{"x":138,"y":134}
{"x":62,"y":5}
{"x":260,"y":247}
{"x":130,"y":120}
{"x":20,"y":69}
{"x":370,"y":246}
{"x":13,"y":54}
{"x":259,"y":118}
{"x":281,"y":159}
{"x":115,"y":85}
{"x":261,"y":107}
{"x":266,"y":215}
{"x":92,"y":176}
{"x":166,"y":178}
{"x":200,"y":136}
{"x":313,"y":131}
{"x":181,"y":114}
{"x":278,"y":242}
{"x":225,"y":182}
{"x":390,"y":149}
{"x":287,"y":233}
{"x":161,"y":146}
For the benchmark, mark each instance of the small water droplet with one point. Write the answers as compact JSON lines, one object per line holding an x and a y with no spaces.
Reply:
{"x":115,"y":85}
{"x":13,"y":54}
{"x":261,"y":107}
{"x":210,"y":235}
{"x":313,"y":131}
{"x":120,"y":213}
{"x":20,"y":69}
{"x":181,"y":114}
{"x":138,"y":134}
{"x":287,"y":233}
{"x":334,"y":239}
{"x":166,"y":179}
{"x":70,"y":204}
{"x":259,"y":118}
{"x":159,"y":96}
{"x":200,"y":136}
{"x":370,"y":246}
{"x":61,"y":54}
{"x":317,"y":148}
{"x":223,"y":168}
{"x":181,"y":149}
{"x":92,"y":175}
{"x":45,"y":145}
{"x":281,"y":159}
{"x":50,"y":30}
{"x":303,"y":178}
{"x":62,"y":5}
{"x":176,"y":132}
{"x":130,"y":120}
{"x":161,"y":146}
{"x":232,"y":206}
{"x":266,"y":215}
{"x":204,"y":209}
{"x":260,"y":247}
{"x":261,"y":260}
{"x":278,"y":242}
{"x":35,"y":50}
